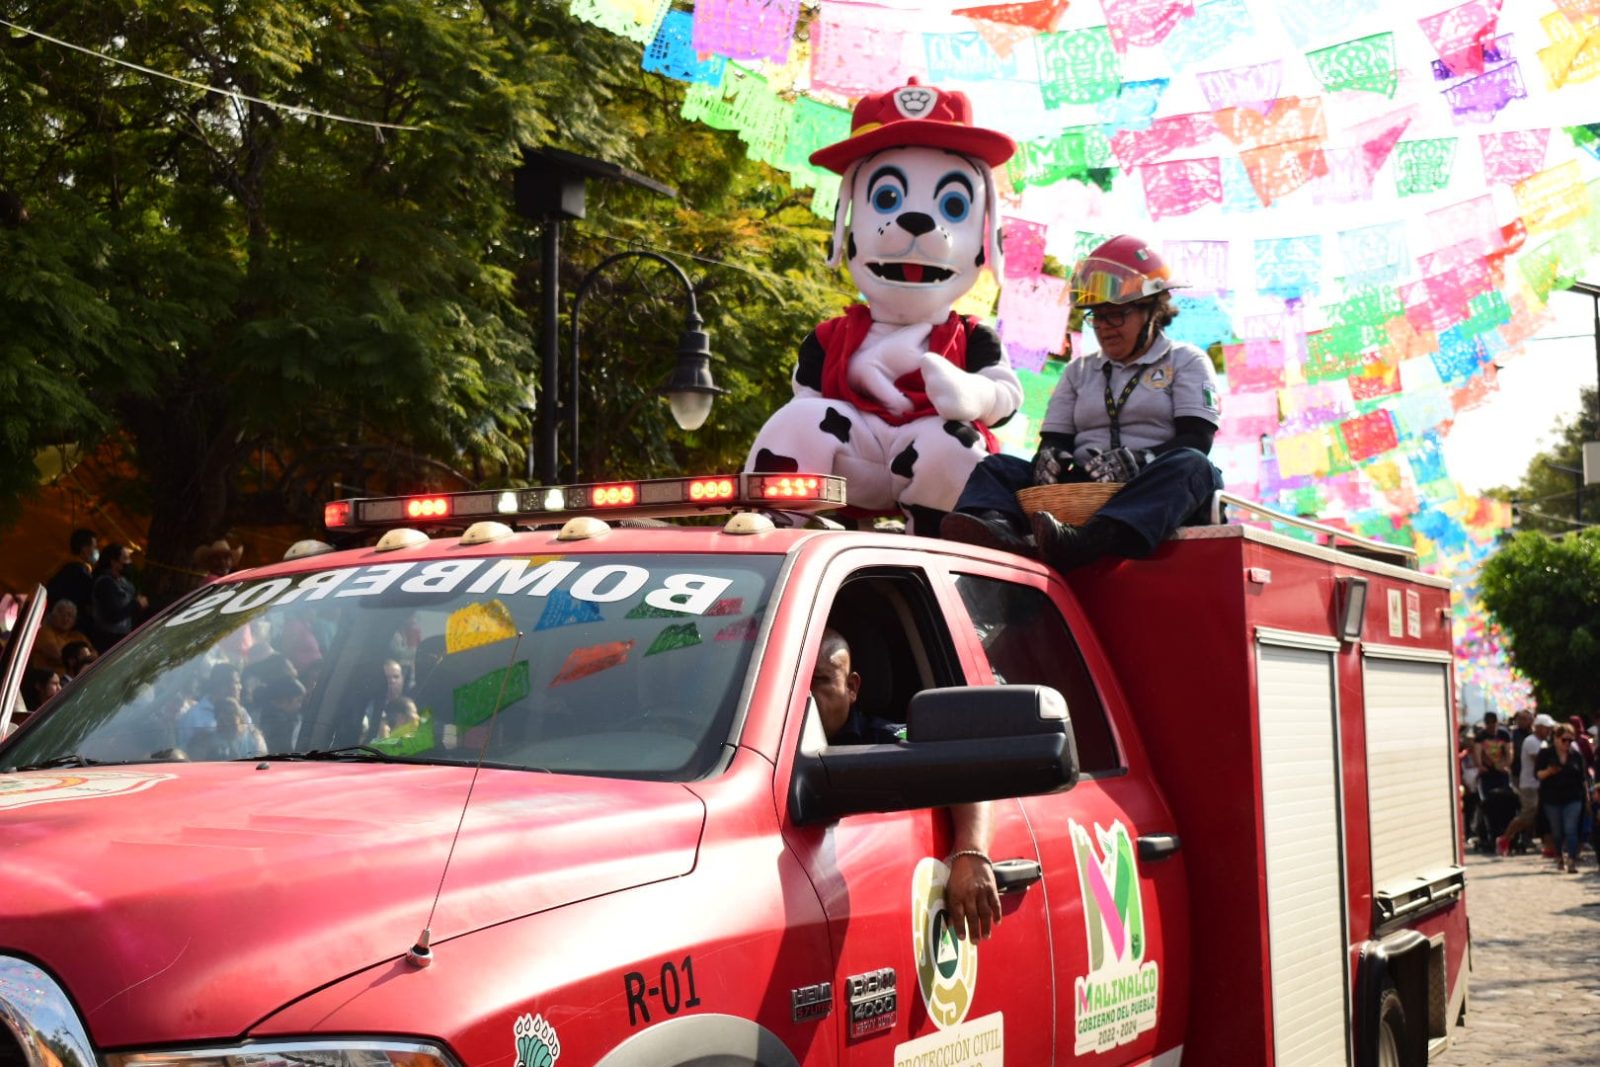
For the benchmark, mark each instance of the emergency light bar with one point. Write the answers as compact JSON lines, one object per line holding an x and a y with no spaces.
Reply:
{"x":655,"y":498}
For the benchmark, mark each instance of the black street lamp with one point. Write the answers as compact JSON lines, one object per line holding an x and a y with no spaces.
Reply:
{"x":550,"y":188}
{"x":1591,"y":449}
{"x":690,"y":389}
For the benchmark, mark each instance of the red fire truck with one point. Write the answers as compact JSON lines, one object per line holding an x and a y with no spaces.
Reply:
{"x":559,"y":796}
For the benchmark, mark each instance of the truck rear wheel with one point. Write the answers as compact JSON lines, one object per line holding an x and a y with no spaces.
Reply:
{"x":1391,"y":1029}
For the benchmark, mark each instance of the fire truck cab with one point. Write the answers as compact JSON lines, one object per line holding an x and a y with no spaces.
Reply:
{"x":559,"y":796}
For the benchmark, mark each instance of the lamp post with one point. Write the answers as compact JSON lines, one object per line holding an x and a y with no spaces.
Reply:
{"x":1591,"y":449}
{"x":689,"y":389}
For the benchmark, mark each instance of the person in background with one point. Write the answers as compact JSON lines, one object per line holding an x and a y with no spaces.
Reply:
{"x":74,"y":580}
{"x":222,"y":684}
{"x":234,"y":737}
{"x":39,"y":684}
{"x":1467,"y":761}
{"x":1563,"y":778}
{"x":278,"y":710}
{"x":1527,"y":783}
{"x":1497,"y":802}
{"x":59,"y":629}
{"x":1582,"y":740}
{"x":1143,"y":411}
{"x":1521,"y":730}
{"x":76,"y":657}
{"x":116,"y":604}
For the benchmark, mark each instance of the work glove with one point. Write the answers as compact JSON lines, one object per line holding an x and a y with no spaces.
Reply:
{"x":1116,"y":464}
{"x":1051,"y":464}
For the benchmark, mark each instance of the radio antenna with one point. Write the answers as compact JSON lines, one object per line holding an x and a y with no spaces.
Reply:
{"x":421,"y":954}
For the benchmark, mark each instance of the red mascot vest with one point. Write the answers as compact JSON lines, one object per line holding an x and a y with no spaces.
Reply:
{"x":841,"y":337}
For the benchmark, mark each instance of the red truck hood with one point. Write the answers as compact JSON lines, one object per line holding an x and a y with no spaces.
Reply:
{"x":185,"y":903}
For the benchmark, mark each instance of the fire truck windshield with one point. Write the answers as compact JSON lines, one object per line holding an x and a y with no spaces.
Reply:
{"x":618,"y":665}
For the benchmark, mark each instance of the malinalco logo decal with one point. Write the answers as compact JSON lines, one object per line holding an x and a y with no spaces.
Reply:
{"x":947,"y":966}
{"x":1116,"y":1001}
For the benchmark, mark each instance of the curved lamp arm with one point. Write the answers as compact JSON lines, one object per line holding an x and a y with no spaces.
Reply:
{"x":696,"y":380}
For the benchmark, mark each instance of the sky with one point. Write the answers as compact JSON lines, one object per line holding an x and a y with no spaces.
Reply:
{"x":1491,"y":445}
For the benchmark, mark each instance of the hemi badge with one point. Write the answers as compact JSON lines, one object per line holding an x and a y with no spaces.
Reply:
{"x":812,"y":1002}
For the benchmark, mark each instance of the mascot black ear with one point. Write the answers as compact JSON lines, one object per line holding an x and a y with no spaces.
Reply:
{"x":841,"y":214}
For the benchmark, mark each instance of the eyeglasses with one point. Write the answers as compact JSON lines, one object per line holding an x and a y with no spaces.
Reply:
{"x":1111,"y":314}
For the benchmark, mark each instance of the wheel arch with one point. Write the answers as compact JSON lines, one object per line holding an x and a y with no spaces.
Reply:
{"x":702,"y":1041}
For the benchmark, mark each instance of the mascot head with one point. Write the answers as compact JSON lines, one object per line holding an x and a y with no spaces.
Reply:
{"x":917,"y":217}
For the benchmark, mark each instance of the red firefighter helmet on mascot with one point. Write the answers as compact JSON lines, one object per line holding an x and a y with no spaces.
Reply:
{"x":911,"y":116}
{"x":1120,"y":271}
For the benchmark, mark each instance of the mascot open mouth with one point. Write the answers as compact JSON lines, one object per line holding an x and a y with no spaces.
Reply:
{"x":915,"y":273}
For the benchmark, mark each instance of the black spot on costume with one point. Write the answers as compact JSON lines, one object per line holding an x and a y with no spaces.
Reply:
{"x":836,"y":424}
{"x":771,"y":463}
{"x":963,"y":432}
{"x":904,"y":462}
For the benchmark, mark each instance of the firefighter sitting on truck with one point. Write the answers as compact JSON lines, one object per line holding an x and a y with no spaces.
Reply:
{"x":971,"y":896}
{"x":1141,"y":411}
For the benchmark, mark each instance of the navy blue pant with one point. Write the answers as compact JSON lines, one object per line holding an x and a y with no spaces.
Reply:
{"x":1172,"y":491}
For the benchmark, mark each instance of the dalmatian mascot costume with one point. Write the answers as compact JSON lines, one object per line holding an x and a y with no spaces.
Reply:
{"x":898,"y":394}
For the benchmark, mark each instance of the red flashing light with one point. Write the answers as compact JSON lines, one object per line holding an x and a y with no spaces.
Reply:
{"x":792,"y":488}
{"x":614,"y":496}
{"x":428,"y":507}
{"x":336,"y":514}
{"x":711,"y":489}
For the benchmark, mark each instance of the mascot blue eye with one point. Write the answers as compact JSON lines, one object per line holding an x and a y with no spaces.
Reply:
{"x":954,"y":205}
{"x":886,"y":198}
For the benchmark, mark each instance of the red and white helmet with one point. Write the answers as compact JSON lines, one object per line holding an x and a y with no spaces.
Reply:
{"x":1120,"y":271}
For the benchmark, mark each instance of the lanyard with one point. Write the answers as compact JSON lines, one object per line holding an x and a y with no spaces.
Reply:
{"x":1114,"y":406}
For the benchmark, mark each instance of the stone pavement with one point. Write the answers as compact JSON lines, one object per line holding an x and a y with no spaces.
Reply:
{"x":1534,"y":992}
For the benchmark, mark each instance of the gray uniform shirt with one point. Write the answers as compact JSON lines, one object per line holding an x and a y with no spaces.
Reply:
{"x":1175,"y":380}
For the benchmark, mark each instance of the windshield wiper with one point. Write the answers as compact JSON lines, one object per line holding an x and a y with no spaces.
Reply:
{"x":71,"y":759}
{"x":350,"y":752}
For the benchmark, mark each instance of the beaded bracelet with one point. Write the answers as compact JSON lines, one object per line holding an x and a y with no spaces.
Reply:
{"x":978,"y":852}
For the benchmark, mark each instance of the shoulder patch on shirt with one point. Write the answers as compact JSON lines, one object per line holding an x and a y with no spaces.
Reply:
{"x":1159,"y":376}
{"x":1208,"y":394}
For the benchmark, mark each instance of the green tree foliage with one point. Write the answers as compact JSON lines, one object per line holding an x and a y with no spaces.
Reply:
{"x":1548,"y":495}
{"x":274,"y":306}
{"x":1545,"y":593}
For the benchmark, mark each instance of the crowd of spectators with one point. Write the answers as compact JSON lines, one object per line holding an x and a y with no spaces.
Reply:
{"x":1532,"y":784}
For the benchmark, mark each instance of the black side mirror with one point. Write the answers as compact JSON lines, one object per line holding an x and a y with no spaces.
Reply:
{"x":964,"y":745}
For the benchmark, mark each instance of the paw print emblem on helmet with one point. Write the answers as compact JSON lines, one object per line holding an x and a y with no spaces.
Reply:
{"x":914,"y":101}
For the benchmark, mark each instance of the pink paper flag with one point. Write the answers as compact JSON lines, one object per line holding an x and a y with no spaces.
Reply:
{"x":1511,"y":156}
{"x":1460,"y":33}
{"x":1182,"y":186}
{"x":1253,"y":366}
{"x":1024,"y":247}
{"x":1469,"y":222}
{"x":1033,"y":312}
{"x":745,"y":29}
{"x":1143,"y":22}
{"x":1163,"y":137}
{"x":856,"y":51}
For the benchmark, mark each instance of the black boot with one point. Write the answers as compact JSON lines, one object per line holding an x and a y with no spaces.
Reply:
{"x":924,"y":521}
{"x":990,"y":529}
{"x":1068,"y":547}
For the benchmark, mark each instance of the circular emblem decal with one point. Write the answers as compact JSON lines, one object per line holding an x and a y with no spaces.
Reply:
{"x":947,"y":967}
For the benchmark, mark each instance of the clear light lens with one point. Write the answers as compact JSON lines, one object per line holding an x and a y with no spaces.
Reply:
{"x":348,"y":1052}
{"x":690,"y":408}
{"x":507,"y":504}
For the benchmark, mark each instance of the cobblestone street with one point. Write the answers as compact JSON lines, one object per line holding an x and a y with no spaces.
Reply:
{"x":1535,"y":983}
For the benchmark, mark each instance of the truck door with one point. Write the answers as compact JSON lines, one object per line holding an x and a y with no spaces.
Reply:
{"x":903,"y":984}
{"x":1113,"y":875}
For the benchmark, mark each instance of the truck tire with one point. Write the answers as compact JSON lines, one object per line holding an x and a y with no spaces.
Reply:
{"x":1392,"y":1033}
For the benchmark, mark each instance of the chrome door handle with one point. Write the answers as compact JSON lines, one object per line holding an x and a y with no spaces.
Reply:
{"x":1011,"y":876}
{"x":1154,"y":847}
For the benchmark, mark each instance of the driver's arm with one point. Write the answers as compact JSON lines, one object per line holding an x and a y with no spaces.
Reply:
{"x":971,"y":898}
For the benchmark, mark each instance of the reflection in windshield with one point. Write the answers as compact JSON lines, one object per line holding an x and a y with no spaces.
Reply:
{"x":615,"y":665}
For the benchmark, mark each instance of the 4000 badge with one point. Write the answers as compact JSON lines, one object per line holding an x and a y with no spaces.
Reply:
{"x":1116,"y":1001}
{"x":947,"y":967}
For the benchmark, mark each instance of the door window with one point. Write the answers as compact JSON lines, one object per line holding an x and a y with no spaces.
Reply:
{"x":1027,"y":642}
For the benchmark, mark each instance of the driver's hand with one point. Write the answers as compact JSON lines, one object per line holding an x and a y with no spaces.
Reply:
{"x":971,"y":898}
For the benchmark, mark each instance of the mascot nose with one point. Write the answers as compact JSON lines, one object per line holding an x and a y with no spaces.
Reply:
{"x":916,"y":222}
